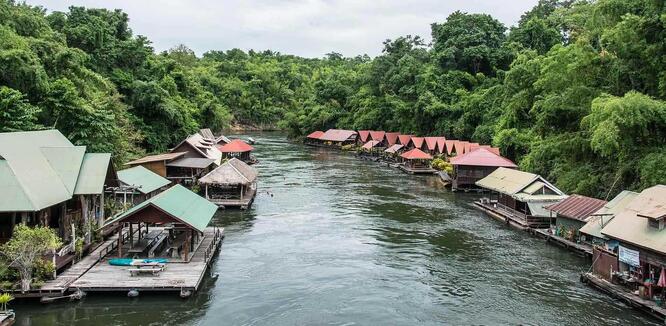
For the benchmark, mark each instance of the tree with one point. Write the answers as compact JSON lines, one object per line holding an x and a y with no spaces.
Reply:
{"x":16,"y":113}
{"x":26,"y":246}
{"x":5,"y":298}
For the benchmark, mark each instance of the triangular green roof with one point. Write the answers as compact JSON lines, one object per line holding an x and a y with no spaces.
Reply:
{"x":27,"y":168}
{"x":147,"y":181}
{"x":66,"y":162}
{"x":92,"y":174}
{"x":181,"y":204}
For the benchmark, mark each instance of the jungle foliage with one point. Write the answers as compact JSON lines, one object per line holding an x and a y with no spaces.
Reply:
{"x":575,"y":92}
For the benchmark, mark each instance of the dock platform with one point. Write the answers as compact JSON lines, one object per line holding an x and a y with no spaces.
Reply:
{"x":578,"y":248}
{"x":507,"y":218}
{"x":180,"y":277}
{"x":244,"y":203}
{"x":417,"y":170}
{"x":624,"y":295}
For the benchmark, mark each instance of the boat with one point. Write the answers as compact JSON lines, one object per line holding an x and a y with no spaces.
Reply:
{"x":134,"y":262}
{"x":251,"y":140}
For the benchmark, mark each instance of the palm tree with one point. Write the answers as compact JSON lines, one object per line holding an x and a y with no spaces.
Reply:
{"x":4,"y":299}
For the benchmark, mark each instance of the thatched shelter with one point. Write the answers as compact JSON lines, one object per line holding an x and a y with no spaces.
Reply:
{"x":232,"y":184}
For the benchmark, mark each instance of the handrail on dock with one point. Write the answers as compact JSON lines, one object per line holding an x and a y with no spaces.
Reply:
{"x":212,"y":245}
{"x":114,"y":244}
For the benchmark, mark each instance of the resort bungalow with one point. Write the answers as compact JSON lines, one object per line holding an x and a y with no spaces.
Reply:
{"x":186,"y":170}
{"x":47,"y":181}
{"x":431,"y":145}
{"x":313,"y":138}
{"x":404,"y":140}
{"x":372,"y":148}
{"x":174,"y":221}
{"x":363,"y":137}
{"x":639,"y":260}
{"x":392,"y":153}
{"x":416,"y":142}
{"x":518,"y":198}
{"x":238,"y":149}
{"x":474,"y":166}
{"x":137,"y":184}
{"x":590,"y":233}
{"x":416,"y":161}
{"x":338,"y":137}
{"x":157,"y":163}
{"x":196,"y":146}
{"x":391,"y":138}
{"x":571,"y":214}
{"x":232,"y":184}
{"x":379,"y":136}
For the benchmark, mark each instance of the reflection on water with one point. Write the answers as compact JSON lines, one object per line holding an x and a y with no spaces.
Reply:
{"x":335,"y":240}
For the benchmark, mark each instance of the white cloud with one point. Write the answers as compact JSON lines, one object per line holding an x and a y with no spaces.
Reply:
{"x":308,"y":28}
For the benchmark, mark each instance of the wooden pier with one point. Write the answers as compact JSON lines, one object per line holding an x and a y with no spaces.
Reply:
{"x":416,"y":170}
{"x":624,"y":295}
{"x":505,"y":217}
{"x":244,"y":203}
{"x":183,"y":277}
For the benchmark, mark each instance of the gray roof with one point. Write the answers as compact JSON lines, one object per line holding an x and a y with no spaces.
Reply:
{"x":232,"y":172}
{"x":192,"y":162}
{"x":145,"y":180}
{"x":523,"y":186}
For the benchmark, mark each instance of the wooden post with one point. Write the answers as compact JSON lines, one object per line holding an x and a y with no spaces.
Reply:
{"x":207,"y":191}
{"x":120,"y":241}
{"x":102,"y":217}
{"x":132,"y":235}
{"x":242,"y":187}
{"x":186,"y":250}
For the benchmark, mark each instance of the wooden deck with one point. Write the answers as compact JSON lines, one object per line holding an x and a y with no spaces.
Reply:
{"x":6,"y":319}
{"x":578,"y":248}
{"x":62,"y":281}
{"x":245,"y":203}
{"x":178,"y":276}
{"x":510,"y":217}
{"x":623,"y":294}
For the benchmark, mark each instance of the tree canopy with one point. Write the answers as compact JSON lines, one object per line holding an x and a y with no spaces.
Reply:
{"x":575,"y":91}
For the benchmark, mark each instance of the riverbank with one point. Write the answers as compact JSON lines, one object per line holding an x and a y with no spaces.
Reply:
{"x":333,"y":240}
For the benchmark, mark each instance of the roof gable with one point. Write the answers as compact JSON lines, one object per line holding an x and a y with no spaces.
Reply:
{"x":404,"y":139}
{"x":92,"y":174}
{"x":363,"y":135}
{"x":66,"y":162}
{"x":391,"y":138}
{"x":377,"y":135}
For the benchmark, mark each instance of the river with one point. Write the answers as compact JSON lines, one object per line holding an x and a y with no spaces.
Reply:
{"x":335,"y":240}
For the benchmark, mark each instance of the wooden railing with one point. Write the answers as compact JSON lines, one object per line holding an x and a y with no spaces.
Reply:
{"x":114,"y":244}
{"x":217,"y":235}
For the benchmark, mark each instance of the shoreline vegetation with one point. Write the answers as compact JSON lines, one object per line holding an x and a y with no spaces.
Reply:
{"x":574,"y":91}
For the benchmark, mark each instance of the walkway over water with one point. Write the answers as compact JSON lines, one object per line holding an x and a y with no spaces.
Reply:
{"x":331,"y":239}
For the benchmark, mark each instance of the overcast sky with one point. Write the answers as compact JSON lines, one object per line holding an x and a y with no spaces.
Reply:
{"x":309,"y":28}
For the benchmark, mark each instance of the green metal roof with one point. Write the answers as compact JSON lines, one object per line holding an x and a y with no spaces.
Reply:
{"x":92,"y":174}
{"x":179,"y":203}
{"x":66,"y":162}
{"x":28,"y":181}
{"x":146,"y":180}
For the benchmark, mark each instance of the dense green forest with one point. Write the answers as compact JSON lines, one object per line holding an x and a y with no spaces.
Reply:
{"x":575,"y":92}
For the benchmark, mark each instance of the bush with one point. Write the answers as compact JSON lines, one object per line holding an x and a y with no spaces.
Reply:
{"x":442,"y":165}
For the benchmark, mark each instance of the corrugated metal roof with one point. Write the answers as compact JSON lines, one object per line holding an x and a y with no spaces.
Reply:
{"x":156,"y":158}
{"x":416,"y":154}
{"x":192,"y":162}
{"x":145,"y":180}
{"x":222,"y":139}
{"x":482,"y":157}
{"x":207,"y":134}
{"x":441,"y":145}
{"x":417,"y":141}
{"x":204,"y":148}
{"x":394,"y":148}
{"x":392,"y":138}
{"x":450,"y":146}
{"x":431,"y":143}
{"x":370,"y":144}
{"x":28,"y":182}
{"x":404,"y":139}
{"x":232,"y":172}
{"x":181,"y":204}
{"x":66,"y":162}
{"x":459,"y":147}
{"x":92,"y":174}
{"x":605,"y":214}
{"x":363,"y":135}
{"x":511,"y":182}
{"x":577,"y":207}
{"x":337,"y":135}
{"x":628,"y":226}
{"x":534,"y":187}
{"x":377,"y":135}
{"x":315,"y":134}
{"x":236,"y":146}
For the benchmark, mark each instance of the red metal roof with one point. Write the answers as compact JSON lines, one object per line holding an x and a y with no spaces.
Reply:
{"x":337,"y":135}
{"x":392,"y":138}
{"x":459,"y":147}
{"x":377,"y":135}
{"x":363,"y":135}
{"x":370,"y":144}
{"x":416,"y":154}
{"x":491,"y":149}
{"x":577,"y":207}
{"x":431,"y":143}
{"x":418,"y":141}
{"x":441,"y":144}
{"x":236,"y":146}
{"x":468,"y":147}
{"x":316,"y":134}
{"x":404,"y":139}
{"x":482,"y":157}
{"x":449,"y":146}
